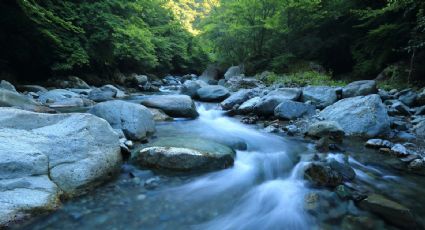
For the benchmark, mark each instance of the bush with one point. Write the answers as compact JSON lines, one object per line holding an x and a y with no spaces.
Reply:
{"x":302,"y":78}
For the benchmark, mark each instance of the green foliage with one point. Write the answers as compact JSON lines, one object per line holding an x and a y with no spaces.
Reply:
{"x":302,"y":78}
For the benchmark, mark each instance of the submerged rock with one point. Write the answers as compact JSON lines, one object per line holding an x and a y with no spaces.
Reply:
{"x":43,"y":156}
{"x":321,"y":174}
{"x":172,"y":105}
{"x":359,"y":116}
{"x":391,"y":211}
{"x":183,"y":155}
{"x":135,"y":120}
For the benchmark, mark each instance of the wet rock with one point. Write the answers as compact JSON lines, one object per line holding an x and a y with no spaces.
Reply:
{"x":326,"y":129}
{"x":416,"y":165}
{"x":152,"y":183}
{"x":420,"y":111}
{"x":172,"y":105}
{"x":118,"y":93}
{"x":250,"y":120}
{"x":102,"y":94}
{"x":419,"y":129}
{"x":135,"y":120}
{"x":267,"y":104}
{"x":291,"y":129}
{"x":344,"y":169}
{"x":291,"y":110}
{"x":391,"y":211}
{"x":181,"y":155}
{"x":238,"y":98}
{"x":57,"y":95}
{"x":321,"y":174}
{"x":401,"y":108}
{"x":407,"y":96}
{"x":233,"y":72}
{"x":213,"y":93}
{"x":359,"y":116}
{"x":360,"y":222}
{"x":359,"y":88}
{"x":248,"y":106}
{"x":399,"y":150}
{"x":190,"y":87}
{"x":7,"y":85}
{"x":43,"y":156}
{"x":379,"y":143}
{"x":320,"y":96}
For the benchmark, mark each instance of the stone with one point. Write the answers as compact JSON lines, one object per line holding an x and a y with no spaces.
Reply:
{"x":238,"y":98}
{"x":407,"y":96}
{"x":360,"y":222}
{"x":172,"y":105}
{"x":359,"y":116}
{"x":12,"y":99}
{"x":213,"y":93}
{"x":320,"y":96}
{"x":379,"y":143}
{"x":233,"y":71}
{"x":179,"y":154}
{"x":416,"y":165}
{"x":102,"y":94}
{"x":401,"y":108}
{"x":419,"y":129}
{"x":321,"y":174}
{"x":389,"y":210}
{"x":269,"y":102}
{"x":241,"y":82}
{"x":420,"y":110}
{"x":399,"y":150}
{"x":326,"y":129}
{"x":32,"y":88}
{"x":119,"y":93}
{"x":190,"y":87}
{"x":210,"y":74}
{"x":248,"y":106}
{"x":45,"y":156}
{"x":420,"y":98}
{"x":135,"y":120}
{"x":291,"y":110}
{"x":344,"y":169}
{"x":69,"y":82}
{"x":159,"y":115}
{"x":7,"y":85}
{"x":359,"y":88}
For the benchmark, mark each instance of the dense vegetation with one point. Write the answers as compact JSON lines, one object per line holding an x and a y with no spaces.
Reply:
{"x":345,"y":36}
{"x":353,"y":38}
{"x":55,"y":37}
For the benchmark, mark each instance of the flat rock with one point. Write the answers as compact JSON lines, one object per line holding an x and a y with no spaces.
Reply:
{"x":359,"y":88}
{"x":321,"y":96}
{"x":213,"y":93}
{"x":172,"y":105}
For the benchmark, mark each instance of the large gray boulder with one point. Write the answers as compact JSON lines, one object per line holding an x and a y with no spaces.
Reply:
{"x":136,"y":121}
{"x":233,"y":72}
{"x":238,"y":98}
{"x":58,"y":98}
{"x":190,"y":87}
{"x":180,"y":154}
{"x":359,"y":88}
{"x":44,"y":156}
{"x":291,"y":110}
{"x":269,"y":102}
{"x":172,"y":105}
{"x":241,"y":82}
{"x":12,"y":99}
{"x":102,"y":94}
{"x":359,"y":116}
{"x":320,"y":96}
{"x":249,"y":105}
{"x":213,"y":93}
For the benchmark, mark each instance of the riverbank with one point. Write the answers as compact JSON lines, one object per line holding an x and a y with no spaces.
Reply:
{"x":304,"y":142}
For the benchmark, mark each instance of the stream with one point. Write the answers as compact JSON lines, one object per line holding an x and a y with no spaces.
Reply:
{"x":264,"y":189}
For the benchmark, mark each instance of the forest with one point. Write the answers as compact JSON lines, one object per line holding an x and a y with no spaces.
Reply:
{"x":349,"y":38}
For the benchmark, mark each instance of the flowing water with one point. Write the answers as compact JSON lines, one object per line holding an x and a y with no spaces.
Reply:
{"x":263,"y":190}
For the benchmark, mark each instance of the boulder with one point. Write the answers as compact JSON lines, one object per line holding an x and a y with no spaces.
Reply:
{"x":159,"y":115}
{"x":320,"y":96}
{"x":190,"y":87}
{"x":248,"y":106}
{"x":379,"y":143}
{"x":389,"y":210}
{"x":290,"y":110}
{"x":419,"y":129}
{"x":172,"y":105}
{"x":102,"y":94}
{"x":32,"y":88}
{"x":321,"y":174}
{"x":269,"y":102}
{"x":359,"y":116}
{"x":182,"y":155}
{"x":238,"y":98}
{"x":45,"y":156}
{"x":344,"y":169}
{"x":119,"y":93}
{"x":401,"y":108}
{"x":213,"y":93}
{"x":12,"y":99}
{"x":57,"y":95}
{"x":233,"y":72}
{"x":326,"y":129}
{"x":135,"y":120}
{"x":359,"y":88}
{"x":69,"y":82}
{"x":399,"y":150}
{"x":7,"y":85}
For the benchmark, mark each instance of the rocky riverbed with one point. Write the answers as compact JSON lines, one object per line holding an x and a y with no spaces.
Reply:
{"x":210,"y":153}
